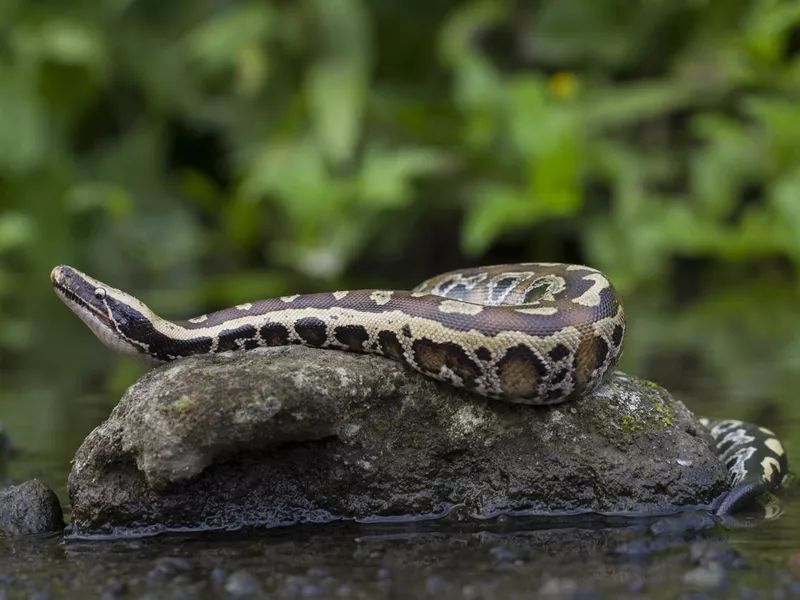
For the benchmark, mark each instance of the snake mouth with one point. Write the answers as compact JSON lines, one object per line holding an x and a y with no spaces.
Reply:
{"x":68,"y":284}
{"x":77,"y":292}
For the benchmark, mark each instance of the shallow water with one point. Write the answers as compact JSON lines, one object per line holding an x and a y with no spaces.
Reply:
{"x":719,"y":362}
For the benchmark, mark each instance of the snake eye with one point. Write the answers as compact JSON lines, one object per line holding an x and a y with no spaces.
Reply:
{"x":100,"y":293}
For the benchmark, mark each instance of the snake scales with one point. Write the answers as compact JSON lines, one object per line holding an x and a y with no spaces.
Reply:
{"x":532,"y":333}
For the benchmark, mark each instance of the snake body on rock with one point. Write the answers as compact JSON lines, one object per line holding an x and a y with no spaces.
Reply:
{"x":530,"y":333}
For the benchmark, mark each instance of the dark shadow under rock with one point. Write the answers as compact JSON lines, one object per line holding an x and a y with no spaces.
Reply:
{"x":287,"y":435}
{"x":30,"y":508}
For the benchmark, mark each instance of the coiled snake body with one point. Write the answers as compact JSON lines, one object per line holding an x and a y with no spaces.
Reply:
{"x":532,"y":333}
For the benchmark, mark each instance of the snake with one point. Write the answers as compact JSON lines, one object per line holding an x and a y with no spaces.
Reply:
{"x":526,"y":333}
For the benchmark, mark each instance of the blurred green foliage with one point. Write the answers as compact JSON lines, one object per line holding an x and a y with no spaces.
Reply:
{"x":206,"y":152}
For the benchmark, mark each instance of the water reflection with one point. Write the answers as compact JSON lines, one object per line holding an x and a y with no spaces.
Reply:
{"x":498,"y":560}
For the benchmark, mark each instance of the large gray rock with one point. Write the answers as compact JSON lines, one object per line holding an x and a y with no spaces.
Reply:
{"x":287,"y":435}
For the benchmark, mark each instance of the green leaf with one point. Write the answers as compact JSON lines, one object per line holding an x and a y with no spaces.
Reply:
{"x":336,"y":85}
{"x":16,"y":229}
{"x":336,"y":93}
{"x":629,"y":104}
{"x":785,"y":199}
{"x":386,"y":176}
{"x":293,"y":176}
{"x":62,"y":41}
{"x":219,"y":42}
{"x":458,"y":36}
{"x":24,"y":131}
{"x":496,"y":209}
{"x":768,"y":26}
{"x":113,"y":199}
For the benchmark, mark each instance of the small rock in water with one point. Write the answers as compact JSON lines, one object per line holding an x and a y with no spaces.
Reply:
{"x":712,"y":576}
{"x":29,"y":508}
{"x":713,"y":552}
{"x":555,"y":587}
{"x":241,"y":584}
{"x":168,"y":568}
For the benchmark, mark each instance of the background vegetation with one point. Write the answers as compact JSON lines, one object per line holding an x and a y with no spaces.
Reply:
{"x":208,"y":152}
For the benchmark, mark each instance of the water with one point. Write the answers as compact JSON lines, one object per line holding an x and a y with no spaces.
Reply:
{"x":722,"y":357}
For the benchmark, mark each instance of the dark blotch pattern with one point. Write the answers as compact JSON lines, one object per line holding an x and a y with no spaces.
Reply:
{"x":458,"y":292}
{"x":585,"y":362}
{"x":173,"y":348}
{"x":406,"y":331}
{"x":274,"y":334}
{"x":251,"y":344}
{"x":535,"y":292}
{"x":390,"y":346}
{"x":312,"y":331}
{"x":616,"y":337}
{"x":517,"y":379}
{"x":558,"y":353}
{"x":352,"y":336}
{"x":601,"y":351}
{"x":501,"y":287}
{"x":483,"y":353}
{"x":554,"y":394}
{"x":560,"y":376}
{"x":432,"y":356}
{"x":234,"y":339}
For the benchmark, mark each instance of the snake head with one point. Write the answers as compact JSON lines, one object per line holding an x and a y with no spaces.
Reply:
{"x":108,"y":312}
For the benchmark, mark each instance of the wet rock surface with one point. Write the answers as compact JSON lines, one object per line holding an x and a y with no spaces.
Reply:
{"x":30,"y":508}
{"x":289,"y":435}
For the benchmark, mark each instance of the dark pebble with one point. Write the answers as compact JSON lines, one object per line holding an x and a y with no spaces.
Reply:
{"x":344,"y":591}
{"x":316,"y":572}
{"x":218,"y":574}
{"x":114,"y":589}
{"x":506,"y":557}
{"x":637,"y":587}
{"x":712,"y":576}
{"x":558,"y":587}
{"x":242,"y":584}
{"x":169,"y":567}
{"x":311,"y":590}
{"x":30,"y":508}
{"x":434,"y":586}
{"x":470,"y":592}
{"x":703,"y":553}
{"x":694,"y":596}
{"x":638,"y":548}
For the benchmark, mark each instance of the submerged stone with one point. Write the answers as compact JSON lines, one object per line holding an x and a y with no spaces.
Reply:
{"x":279,"y":436}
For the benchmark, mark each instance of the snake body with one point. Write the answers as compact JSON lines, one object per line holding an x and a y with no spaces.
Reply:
{"x":531,"y":333}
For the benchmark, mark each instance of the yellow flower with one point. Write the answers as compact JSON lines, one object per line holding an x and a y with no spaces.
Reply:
{"x":564,"y":85}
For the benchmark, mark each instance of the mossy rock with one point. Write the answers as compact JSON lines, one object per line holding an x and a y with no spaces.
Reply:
{"x":288,"y":435}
